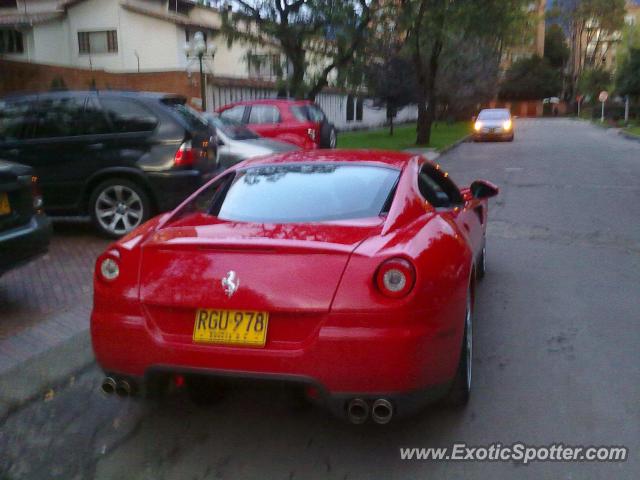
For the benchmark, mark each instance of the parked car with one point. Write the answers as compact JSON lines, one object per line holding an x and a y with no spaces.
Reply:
{"x":117,"y":156}
{"x":300,"y":122}
{"x":25,"y":230}
{"x":236,"y":142}
{"x":494,"y":124}
{"x":352,"y":273}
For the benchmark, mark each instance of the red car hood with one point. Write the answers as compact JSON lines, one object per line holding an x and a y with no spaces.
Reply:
{"x":280,"y":267}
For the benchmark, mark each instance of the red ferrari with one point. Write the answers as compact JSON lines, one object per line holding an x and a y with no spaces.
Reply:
{"x":351,"y":273}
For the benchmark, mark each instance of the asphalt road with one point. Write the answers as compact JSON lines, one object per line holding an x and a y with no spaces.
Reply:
{"x":557,"y":352}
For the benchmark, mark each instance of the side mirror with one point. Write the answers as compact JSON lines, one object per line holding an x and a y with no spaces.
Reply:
{"x":219,"y":141}
{"x":483,"y":189}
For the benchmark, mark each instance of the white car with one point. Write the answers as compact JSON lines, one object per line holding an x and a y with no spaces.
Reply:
{"x":494,"y":124}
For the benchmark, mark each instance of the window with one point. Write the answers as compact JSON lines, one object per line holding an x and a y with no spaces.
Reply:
{"x":13,"y":120}
{"x":234,"y":113}
{"x":190,"y":116}
{"x":98,"y":42}
{"x":52,"y":118}
{"x":264,"y":66}
{"x":294,"y":193}
{"x":350,"y":108}
{"x":437,"y":188}
{"x":11,"y":41}
{"x":180,"y":6}
{"x":264,"y":114}
{"x":308,"y":113}
{"x":127,"y":115}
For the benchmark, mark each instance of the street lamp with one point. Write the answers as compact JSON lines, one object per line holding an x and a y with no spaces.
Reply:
{"x":198,"y":48}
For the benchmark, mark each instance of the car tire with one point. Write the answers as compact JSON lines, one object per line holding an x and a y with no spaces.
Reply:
{"x":460,"y":390}
{"x":328,"y":136}
{"x":117,"y":206}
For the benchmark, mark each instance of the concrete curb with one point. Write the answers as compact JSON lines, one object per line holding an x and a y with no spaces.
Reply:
{"x":629,"y":136}
{"x":33,"y":378}
{"x":455,"y":144}
{"x":433,"y":154}
{"x":48,"y":367}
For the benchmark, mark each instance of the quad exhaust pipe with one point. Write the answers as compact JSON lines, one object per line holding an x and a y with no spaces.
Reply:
{"x":122,"y":387}
{"x":358,"y":411}
{"x":382,"y":411}
{"x":109,"y":385}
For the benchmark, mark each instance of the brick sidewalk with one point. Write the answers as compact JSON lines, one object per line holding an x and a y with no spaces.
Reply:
{"x":54,"y":283}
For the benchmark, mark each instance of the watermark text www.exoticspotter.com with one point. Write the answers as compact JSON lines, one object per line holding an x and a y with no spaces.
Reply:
{"x":517,"y":452}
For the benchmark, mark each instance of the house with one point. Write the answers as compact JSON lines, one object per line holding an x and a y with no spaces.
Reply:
{"x":140,"y":45}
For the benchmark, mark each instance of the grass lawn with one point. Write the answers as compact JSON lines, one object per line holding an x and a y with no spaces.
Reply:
{"x":635,"y":130}
{"x":442,"y":135}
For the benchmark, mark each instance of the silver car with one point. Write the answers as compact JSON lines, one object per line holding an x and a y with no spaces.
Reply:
{"x":494,"y":124}
{"x":236,"y":142}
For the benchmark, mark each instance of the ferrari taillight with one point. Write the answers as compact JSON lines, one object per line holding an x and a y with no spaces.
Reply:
{"x":395,"y":277}
{"x":108,"y":266}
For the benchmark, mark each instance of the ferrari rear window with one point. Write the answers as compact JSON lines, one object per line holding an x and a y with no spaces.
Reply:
{"x":299,"y":193}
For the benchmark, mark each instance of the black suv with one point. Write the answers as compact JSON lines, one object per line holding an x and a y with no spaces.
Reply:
{"x":24,"y":229}
{"x":117,"y":156}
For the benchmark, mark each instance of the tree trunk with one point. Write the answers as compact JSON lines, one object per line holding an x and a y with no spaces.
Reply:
{"x":422,"y":128}
{"x":429,"y":115}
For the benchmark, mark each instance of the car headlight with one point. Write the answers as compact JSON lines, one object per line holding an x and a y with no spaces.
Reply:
{"x":109,"y":269}
{"x":478,"y":126}
{"x":506,"y":125}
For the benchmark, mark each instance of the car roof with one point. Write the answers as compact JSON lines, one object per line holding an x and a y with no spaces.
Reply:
{"x":268,"y":101}
{"x":385,"y":157}
{"x":115,"y":93}
{"x":496,"y":110}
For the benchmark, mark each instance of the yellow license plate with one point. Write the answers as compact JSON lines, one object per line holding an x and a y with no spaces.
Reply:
{"x":234,"y":327}
{"x":5,"y":208}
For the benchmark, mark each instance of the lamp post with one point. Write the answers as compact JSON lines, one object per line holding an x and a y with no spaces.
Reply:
{"x":198,"y":48}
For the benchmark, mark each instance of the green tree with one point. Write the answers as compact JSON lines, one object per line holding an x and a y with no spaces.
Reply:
{"x":432,"y":25}
{"x":556,"y":50}
{"x":628,"y":76}
{"x":330,"y":30}
{"x":589,"y":22}
{"x":594,"y":80}
{"x":391,"y":84}
{"x":531,"y":79}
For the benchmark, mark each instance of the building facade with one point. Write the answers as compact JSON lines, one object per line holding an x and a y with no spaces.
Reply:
{"x":141,"y":43}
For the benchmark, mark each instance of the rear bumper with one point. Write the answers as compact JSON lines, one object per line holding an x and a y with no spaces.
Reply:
{"x":410,"y":364}
{"x":171,"y":188}
{"x":24,"y":243}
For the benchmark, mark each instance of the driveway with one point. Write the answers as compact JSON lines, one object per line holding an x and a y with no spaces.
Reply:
{"x":557,"y":357}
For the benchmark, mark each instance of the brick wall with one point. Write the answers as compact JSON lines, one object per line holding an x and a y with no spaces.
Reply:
{"x":31,"y":77}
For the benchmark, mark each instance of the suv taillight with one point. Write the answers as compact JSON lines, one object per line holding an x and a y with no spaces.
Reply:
{"x":36,"y":194}
{"x":184,"y":157}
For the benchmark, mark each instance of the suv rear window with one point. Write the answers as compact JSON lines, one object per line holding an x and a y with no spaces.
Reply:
{"x":126,"y":115}
{"x":295,"y":193}
{"x":193,"y":118}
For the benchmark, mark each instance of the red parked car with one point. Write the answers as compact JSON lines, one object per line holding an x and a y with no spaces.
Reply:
{"x":300,"y":122}
{"x":352,"y":273}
